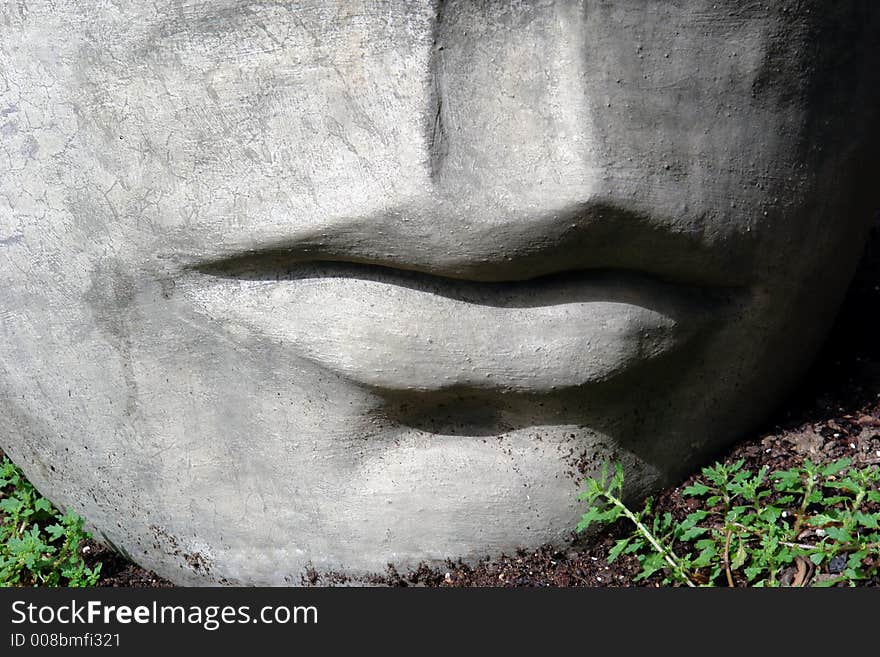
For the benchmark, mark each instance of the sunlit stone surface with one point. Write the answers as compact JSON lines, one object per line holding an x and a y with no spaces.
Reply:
{"x":338,"y":284}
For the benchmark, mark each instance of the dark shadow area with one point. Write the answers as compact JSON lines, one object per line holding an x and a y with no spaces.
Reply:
{"x":580,"y":286}
{"x":845,"y":376}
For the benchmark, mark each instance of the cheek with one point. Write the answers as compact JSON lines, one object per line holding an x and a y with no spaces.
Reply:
{"x":223,"y":128}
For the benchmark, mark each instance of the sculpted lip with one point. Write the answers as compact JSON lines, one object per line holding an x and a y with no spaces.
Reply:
{"x":399,"y":330}
{"x":555,"y":301}
{"x":439,"y":242}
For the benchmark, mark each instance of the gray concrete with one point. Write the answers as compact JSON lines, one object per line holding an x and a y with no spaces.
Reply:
{"x":338,"y":284}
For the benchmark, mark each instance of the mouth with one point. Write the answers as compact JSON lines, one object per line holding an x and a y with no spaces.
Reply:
{"x":398,"y":301}
{"x":397,"y":330}
{"x":444,"y":244}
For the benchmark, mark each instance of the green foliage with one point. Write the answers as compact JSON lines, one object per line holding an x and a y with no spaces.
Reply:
{"x":39,"y":546}
{"x":817,"y":524}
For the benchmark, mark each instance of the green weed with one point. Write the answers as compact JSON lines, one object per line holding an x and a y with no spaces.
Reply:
{"x":39,"y":546}
{"x":815,"y":525}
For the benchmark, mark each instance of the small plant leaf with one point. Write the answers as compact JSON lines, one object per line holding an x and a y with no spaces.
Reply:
{"x":696,"y":489}
{"x":55,"y":531}
{"x":753,"y":571}
{"x":869,"y":520}
{"x":739,"y":558}
{"x":42,"y":504}
{"x":692,"y":533}
{"x":706,"y":555}
{"x":838,"y":534}
{"x":837,"y":466}
{"x":11,"y":505}
{"x":651,"y":564}
{"x":619,"y":547}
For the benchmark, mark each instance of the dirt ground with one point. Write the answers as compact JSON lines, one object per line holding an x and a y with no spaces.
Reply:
{"x":836,"y":412}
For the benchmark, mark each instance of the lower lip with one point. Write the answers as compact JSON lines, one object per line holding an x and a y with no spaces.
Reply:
{"x":396,"y":331}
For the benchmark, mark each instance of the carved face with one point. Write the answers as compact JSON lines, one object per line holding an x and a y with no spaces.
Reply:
{"x":348,"y":283}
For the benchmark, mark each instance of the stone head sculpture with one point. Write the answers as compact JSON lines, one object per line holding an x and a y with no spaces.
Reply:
{"x":337,"y":284}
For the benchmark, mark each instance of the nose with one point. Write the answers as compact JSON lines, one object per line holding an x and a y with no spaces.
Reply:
{"x":509,"y":127}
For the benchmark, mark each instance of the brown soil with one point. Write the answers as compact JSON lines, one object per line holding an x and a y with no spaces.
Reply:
{"x":117,"y":570}
{"x":835,"y":413}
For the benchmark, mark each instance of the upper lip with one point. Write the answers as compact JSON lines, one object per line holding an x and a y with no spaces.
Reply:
{"x":591,"y":236}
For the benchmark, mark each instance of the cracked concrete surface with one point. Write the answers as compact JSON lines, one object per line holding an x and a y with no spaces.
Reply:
{"x":293,"y":285}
